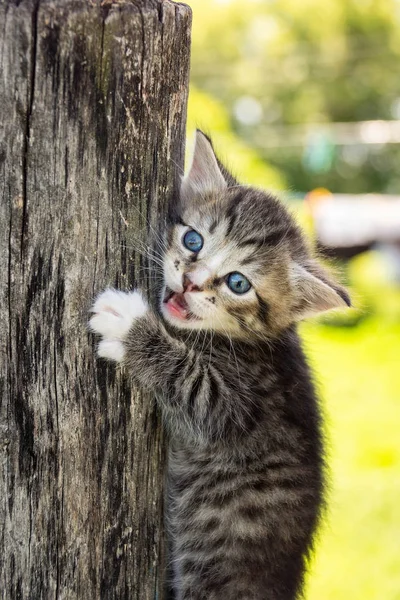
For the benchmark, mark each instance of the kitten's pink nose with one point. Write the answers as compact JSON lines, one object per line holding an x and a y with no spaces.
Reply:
{"x":188,"y":284}
{"x":198,"y":278}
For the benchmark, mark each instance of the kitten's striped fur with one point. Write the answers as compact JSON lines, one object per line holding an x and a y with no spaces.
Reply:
{"x":245,"y":473}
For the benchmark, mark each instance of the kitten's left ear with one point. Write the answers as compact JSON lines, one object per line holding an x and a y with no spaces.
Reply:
{"x":314,"y":291}
{"x":205,"y":174}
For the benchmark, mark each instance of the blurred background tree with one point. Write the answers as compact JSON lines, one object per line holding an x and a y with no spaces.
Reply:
{"x":300,"y":94}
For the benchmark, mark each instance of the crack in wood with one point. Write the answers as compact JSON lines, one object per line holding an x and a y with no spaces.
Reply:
{"x":33,"y":52}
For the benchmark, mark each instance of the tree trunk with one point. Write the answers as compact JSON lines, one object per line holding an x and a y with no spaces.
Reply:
{"x":93,"y":105}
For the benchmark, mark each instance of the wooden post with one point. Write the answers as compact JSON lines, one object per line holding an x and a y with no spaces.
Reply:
{"x":92,"y":116}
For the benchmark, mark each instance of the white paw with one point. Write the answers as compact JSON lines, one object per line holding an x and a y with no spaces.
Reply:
{"x":111,"y":349}
{"x":114,"y":313}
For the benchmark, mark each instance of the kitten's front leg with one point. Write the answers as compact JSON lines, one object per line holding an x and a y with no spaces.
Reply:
{"x":134,"y":336}
{"x":183,"y":378}
{"x":114,"y":314}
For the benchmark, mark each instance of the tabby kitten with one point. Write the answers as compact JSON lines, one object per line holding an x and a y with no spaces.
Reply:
{"x":245,"y":471}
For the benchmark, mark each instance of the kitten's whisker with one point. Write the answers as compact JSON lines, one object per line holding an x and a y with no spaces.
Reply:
{"x":145,"y":248}
{"x":154,"y":250}
{"x":152,"y":269}
{"x":155,"y":233}
{"x":179,"y":167}
{"x":146,"y":253}
{"x":211,"y":348}
{"x":231,"y":344}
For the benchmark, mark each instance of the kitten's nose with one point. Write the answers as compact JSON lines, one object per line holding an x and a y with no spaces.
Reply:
{"x":188,"y":285}
{"x":198,"y":278}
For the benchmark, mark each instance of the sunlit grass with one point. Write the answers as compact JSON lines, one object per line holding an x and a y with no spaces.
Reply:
{"x":358,"y":372}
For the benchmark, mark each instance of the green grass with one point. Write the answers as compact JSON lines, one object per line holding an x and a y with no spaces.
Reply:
{"x":358,"y":374}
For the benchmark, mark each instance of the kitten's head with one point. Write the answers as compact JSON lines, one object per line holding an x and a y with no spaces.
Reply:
{"x":236,"y":261}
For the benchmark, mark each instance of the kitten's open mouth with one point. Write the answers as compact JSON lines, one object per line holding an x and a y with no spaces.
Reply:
{"x":177,"y":306}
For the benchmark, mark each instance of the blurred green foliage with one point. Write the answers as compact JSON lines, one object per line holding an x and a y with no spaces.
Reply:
{"x":210,"y":115}
{"x":305,"y":62}
{"x":322,"y":62}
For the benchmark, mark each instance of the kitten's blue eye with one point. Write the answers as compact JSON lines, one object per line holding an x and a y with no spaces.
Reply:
{"x":193,"y":241}
{"x":238,"y":283}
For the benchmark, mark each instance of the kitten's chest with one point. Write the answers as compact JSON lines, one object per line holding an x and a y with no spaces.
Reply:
{"x":192,"y":471}
{"x":190,"y":466}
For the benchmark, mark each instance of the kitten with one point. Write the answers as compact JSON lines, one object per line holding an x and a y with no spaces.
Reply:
{"x":245,"y":471}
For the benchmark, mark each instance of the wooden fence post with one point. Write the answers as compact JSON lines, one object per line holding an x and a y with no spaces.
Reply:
{"x":93,"y":106}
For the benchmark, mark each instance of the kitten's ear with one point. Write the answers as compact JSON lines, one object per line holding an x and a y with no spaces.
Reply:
{"x":314,"y":291}
{"x":205,"y":175}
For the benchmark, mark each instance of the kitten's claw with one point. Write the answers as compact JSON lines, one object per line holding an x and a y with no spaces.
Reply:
{"x":114,"y":313}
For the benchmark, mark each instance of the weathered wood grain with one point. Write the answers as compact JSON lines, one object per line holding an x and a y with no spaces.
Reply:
{"x":92,"y":113}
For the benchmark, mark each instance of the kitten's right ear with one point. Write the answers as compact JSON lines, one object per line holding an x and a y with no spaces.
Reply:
{"x":204,"y":175}
{"x":314,"y":291}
